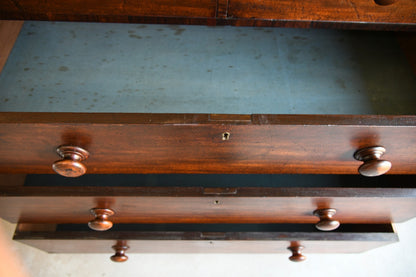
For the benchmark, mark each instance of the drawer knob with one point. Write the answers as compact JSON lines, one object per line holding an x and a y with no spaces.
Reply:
{"x":297,"y":255}
{"x":101,"y":222}
{"x":373,"y":165}
{"x":70,"y":165}
{"x":120,"y":255}
{"x":326,"y":223}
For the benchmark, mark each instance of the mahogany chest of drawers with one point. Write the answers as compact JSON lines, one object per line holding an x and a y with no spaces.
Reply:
{"x":208,"y":138}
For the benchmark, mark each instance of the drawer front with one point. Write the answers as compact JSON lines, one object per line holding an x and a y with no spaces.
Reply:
{"x":93,"y":10}
{"x":54,"y":204}
{"x":198,"y":143}
{"x":353,"y":239}
{"x":331,"y":11}
{"x":205,"y":210}
{"x":380,"y":13}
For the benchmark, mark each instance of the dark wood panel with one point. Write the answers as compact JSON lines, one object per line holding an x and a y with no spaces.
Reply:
{"x":187,"y":143}
{"x":356,"y":14}
{"x":362,"y":11}
{"x":193,"y":205}
{"x":75,"y":8}
{"x":54,"y":241}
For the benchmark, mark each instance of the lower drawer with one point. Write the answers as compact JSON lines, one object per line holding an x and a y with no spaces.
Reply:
{"x":301,"y":239}
{"x":209,"y":198}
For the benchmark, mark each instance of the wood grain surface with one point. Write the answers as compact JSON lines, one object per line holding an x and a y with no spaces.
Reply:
{"x":308,"y":11}
{"x":9,"y":31}
{"x":53,"y":204}
{"x":358,"y":14}
{"x":200,"y":242}
{"x":193,"y":143}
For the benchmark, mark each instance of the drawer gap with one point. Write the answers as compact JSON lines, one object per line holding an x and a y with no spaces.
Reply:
{"x":222,"y":183}
{"x":224,"y":228}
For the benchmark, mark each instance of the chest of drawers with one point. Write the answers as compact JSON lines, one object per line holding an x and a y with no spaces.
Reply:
{"x":207,"y":102}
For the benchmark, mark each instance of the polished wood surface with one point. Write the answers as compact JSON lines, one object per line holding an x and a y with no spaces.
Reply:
{"x":101,"y":220}
{"x":51,"y":204}
{"x":111,"y":10}
{"x":296,"y":250}
{"x":310,"y":12}
{"x":372,"y":165}
{"x":193,"y":143}
{"x":384,"y":14}
{"x":120,"y":248}
{"x":70,"y":164}
{"x":9,"y":31}
{"x":157,"y":241}
{"x":201,"y":143}
{"x":326,"y":221}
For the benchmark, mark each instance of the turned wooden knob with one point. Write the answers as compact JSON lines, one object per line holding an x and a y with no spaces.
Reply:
{"x":120,"y":255}
{"x":101,"y":222}
{"x":70,"y":165}
{"x":297,"y":255}
{"x":373,"y":165}
{"x":326,"y":223}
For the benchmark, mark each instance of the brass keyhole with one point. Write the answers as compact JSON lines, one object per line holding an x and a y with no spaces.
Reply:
{"x":226,"y":136}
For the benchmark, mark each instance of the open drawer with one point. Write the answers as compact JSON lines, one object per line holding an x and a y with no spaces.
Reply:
{"x":205,"y":238}
{"x":196,"y":99}
{"x":326,"y":201}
